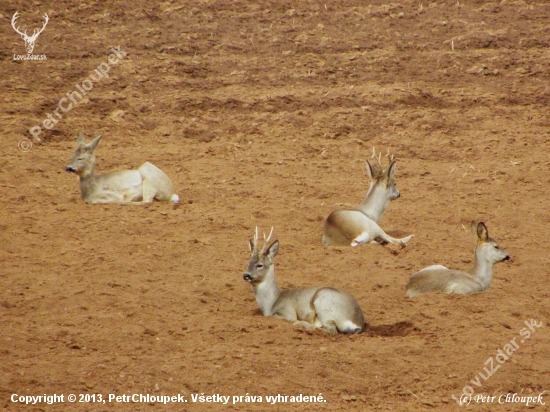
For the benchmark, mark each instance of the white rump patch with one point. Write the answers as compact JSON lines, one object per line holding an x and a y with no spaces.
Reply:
{"x":349,"y":326}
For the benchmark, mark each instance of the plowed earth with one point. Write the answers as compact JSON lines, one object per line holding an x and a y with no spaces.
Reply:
{"x":263,"y":114}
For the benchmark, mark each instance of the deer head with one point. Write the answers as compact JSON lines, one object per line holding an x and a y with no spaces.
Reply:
{"x":261,"y":259}
{"x":29,"y":40}
{"x":383,"y":174}
{"x":83,"y":159}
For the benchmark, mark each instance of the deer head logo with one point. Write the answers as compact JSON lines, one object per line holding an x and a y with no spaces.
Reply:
{"x":29,"y":40}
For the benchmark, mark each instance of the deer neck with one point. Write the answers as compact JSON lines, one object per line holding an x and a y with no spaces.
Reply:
{"x":87,"y":182}
{"x":267,"y":292}
{"x":375,"y":202}
{"x":482,"y":270}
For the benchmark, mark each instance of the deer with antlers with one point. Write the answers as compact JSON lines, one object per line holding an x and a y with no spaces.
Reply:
{"x":350,"y":227}
{"x":29,"y":40}
{"x":324,"y":308}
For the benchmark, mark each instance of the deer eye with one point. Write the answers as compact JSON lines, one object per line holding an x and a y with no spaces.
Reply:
{"x":259,"y":266}
{"x":496,"y":247}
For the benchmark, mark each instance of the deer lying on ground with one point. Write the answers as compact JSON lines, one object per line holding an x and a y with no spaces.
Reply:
{"x":350,"y":227}
{"x":325,"y":308}
{"x":477,"y":279}
{"x":125,"y":186}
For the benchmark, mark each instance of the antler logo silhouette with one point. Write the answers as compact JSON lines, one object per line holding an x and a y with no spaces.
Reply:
{"x":29,"y":40}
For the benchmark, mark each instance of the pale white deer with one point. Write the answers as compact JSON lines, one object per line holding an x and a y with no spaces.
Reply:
{"x":324,"y":308}
{"x":29,"y":40}
{"x":477,"y":279}
{"x":143,"y":185}
{"x":350,"y":227}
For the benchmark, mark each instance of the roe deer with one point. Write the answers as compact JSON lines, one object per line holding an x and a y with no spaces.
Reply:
{"x":325,"y":308}
{"x":477,"y":279}
{"x":360,"y":225}
{"x":125,"y":186}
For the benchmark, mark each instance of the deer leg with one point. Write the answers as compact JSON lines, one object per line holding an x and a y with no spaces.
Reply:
{"x":330,"y":327}
{"x":149,"y":191}
{"x":384,"y":238}
{"x":304,"y":324}
{"x":106,"y":197}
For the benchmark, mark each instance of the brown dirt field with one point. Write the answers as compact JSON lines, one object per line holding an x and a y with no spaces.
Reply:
{"x":264,"y":114}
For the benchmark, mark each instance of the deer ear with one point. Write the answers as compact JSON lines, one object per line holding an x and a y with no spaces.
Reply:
{"x":80,"y":140}
{"x":272,"y":250}
{"x":370,"y":171}
{"x":93,"y":144}
{"x":482,"y":232}
{"x":391,"y":170}
{"x":473,"y":227}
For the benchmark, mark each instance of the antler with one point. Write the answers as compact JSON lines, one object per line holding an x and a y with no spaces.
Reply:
{"x":389,"y":156}
{"x":379,"y":156}
{"x":269,"y":237}
{"x":254,"y":242}
{"x":15,"y":16}
{"x":35,"y":33}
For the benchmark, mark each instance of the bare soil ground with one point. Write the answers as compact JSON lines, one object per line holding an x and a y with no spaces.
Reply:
{"x":264,"y":114}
